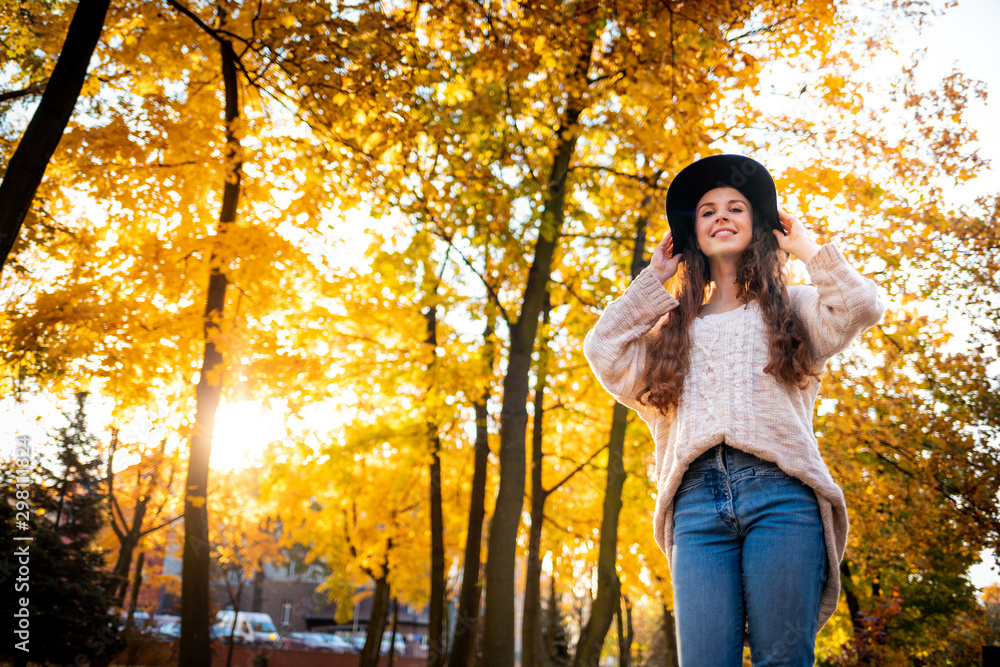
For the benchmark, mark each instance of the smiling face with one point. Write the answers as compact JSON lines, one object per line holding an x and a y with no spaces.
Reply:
{"x":723,"y":223}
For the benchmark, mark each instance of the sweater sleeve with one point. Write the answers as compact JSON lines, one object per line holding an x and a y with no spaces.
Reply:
{"x":615,"y":347}
{"x":840,"y":306}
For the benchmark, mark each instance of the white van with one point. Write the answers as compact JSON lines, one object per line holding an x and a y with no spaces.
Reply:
{"x":252,"y":628}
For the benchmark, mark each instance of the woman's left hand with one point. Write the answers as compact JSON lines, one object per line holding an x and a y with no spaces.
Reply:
{"x":795,"y":240}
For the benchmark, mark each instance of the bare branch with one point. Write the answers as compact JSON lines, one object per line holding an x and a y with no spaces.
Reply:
{"x":115,"y":507}
{"x":161,"y":525}
{"x":218,"y":34}
{"x":649,"y":181}
{"x":494,"y":297}
{"x":576,"y":470}
{"x":33,"y":89}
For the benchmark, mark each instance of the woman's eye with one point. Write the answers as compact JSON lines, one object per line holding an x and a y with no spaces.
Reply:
{"x":707,"y":213}
{"x":736,"y":209}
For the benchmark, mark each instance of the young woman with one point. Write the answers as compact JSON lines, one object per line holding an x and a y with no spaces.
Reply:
{"x":725,"y":374}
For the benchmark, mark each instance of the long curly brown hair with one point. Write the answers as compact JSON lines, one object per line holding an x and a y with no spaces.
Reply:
{"x":760,"y":274}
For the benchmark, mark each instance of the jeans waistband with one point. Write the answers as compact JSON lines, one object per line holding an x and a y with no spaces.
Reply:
{"x":725,"y":458}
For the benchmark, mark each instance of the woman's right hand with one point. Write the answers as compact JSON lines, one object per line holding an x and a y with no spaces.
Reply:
{"x":664,"y":262}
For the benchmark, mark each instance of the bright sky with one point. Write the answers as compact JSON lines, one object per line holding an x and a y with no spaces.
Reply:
{"x":963,"y":37}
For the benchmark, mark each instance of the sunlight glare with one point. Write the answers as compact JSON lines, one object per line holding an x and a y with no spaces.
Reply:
{"x":243,"y":430}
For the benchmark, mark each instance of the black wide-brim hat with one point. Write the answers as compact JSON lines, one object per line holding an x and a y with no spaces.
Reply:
{"x":741,"y":173}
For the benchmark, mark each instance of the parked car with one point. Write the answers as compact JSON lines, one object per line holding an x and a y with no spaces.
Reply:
{"x":336,"y":644}
{"x":359,"y":643}
{"x":141,"y":620}
{"x":310,"y":640}
{"x":252,"y":628}
{"x":159,"y":620}
{"x":169,"y":631}
{"x":323,"y":641}
{"x":293,"y":643}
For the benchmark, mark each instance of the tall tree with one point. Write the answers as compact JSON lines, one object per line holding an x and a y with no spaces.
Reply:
{"x":438,"y":600}
{"x":626,"y":633}
{"x":195,"y":598}
{"x":545,"y":374}
{"x":608,"y":599}
{"x":531,"y":629}
{"x":26,"y":167}
{"x":467,"y":616}
{"x":498,"y":641}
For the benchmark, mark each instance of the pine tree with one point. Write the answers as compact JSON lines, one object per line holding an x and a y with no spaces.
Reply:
{"x":70,"y":619}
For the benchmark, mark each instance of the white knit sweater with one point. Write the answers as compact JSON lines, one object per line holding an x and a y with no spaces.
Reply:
{"x":726,"y":394}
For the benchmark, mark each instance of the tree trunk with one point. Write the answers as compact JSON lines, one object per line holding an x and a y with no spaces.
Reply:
{"x":622,"y":659}
{"x":129,"y":543}
{"x":588,"y":650}
{"x":531,"y":630}
{"x":625,"y":634}
{"x":236,"y":616}
{"x":670,"y":638}
{"x":639,"y":260}
{"x":498,"y":617}
{"x":129,"y":536}
{"x":257,"y":589}
{"x":435,"y":636}
{"x":853,"y":606}
{"x":27,"y":165}
{"x":464,"y":644}
{"x":392,"y":637}
{"x":119,"y":579}
{"x":553,"y":618}
{"x":195,"y":646}
{"x":377,"y":621}
{"x":136,"y":585}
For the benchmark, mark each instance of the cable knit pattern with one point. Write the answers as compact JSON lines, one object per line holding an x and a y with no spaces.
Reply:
{"x":728,"y":397}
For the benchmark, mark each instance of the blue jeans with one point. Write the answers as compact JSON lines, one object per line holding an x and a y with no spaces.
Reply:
{"x":748,"y":557}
